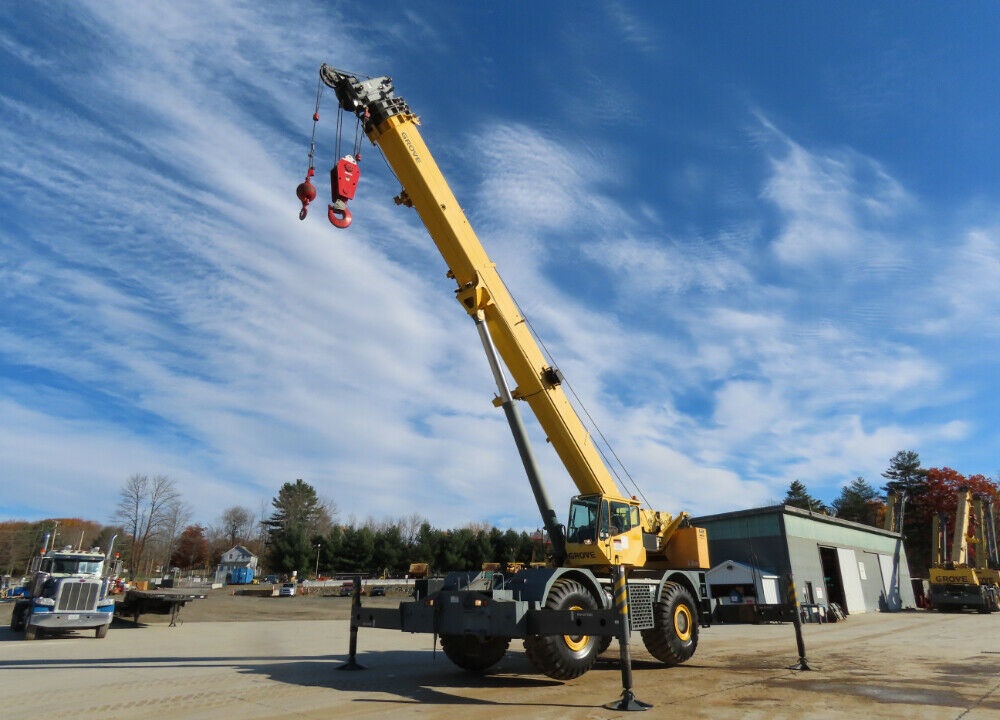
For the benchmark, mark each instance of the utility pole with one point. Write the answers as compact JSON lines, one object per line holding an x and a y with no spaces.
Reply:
{"x":318,"y":546}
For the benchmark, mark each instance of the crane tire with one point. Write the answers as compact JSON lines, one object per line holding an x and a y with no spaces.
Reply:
{"x":471,"y":653}
{"x":674,"y":636}
{"x":564,"y":657}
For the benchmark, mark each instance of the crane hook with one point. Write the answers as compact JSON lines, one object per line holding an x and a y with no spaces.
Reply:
{"x":306,"y":193}
{"x":344,"y":178}
{"x":345,"y":215}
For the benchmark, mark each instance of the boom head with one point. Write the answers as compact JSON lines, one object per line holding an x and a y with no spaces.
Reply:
{"x":373,"y":99}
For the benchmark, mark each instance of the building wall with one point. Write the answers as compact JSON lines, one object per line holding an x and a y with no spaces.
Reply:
{"x":807,"y":535}
{"x":745,"y":538}
{"x":807,"y":568}
{"x":785,"y":542}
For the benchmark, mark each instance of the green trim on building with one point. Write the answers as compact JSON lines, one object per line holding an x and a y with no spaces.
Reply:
{"x":830,"y":534}
{"x":752,"y":526}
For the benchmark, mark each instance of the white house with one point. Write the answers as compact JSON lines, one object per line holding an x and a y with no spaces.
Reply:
{"x":236,"y":558}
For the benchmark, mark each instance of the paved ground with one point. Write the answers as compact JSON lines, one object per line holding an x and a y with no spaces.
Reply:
{"x":908,"y":665}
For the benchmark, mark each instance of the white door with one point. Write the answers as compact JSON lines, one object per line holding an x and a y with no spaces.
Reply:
{"x":890,"y":582}
{"x":770,"y":587}
{"x":852,"y":580}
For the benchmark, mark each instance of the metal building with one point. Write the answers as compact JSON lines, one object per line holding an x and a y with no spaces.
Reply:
{"x":859,"y":567}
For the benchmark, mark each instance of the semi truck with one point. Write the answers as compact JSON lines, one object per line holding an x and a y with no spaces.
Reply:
{"x":563,"y":611}
{"x":67,"y":590}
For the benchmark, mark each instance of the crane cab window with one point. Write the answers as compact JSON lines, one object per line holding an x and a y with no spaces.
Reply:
{"x":582,"y":527}
{"x":618,"y":517}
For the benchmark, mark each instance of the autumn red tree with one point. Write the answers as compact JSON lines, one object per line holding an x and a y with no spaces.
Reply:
{"x":941,"y":489}
{"x":192,"y":549}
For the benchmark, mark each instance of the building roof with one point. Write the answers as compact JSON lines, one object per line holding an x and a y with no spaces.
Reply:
{"x":792,"y":510}
{"x":238,"y":550}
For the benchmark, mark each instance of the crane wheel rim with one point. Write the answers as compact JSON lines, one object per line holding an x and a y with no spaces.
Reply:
{"x":683,"y":622}
{"x":576,"y":643}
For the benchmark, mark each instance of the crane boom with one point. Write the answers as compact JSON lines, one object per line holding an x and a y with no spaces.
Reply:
{"x":393,"y":128}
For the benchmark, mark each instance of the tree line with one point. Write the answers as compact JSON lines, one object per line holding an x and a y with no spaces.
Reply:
{"x":300,"y":533}
{"x":303,"y":538}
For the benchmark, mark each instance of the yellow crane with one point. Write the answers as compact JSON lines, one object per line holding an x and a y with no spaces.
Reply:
{"x":954,"y":583}
{"x":663,"y":558}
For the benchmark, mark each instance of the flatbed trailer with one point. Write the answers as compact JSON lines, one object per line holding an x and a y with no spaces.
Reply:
{"x":147,"y":602}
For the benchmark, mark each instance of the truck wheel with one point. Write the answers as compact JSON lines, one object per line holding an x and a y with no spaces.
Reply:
{"x":17,"y":618}
{"x":564,"y":657}
{"x":102,"y":631}
{"x":30,"y":632}
{"x":674,"y":637}
{"x":472,"y":654}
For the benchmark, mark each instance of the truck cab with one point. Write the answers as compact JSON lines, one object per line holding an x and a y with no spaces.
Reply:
{"x":67,"y":591}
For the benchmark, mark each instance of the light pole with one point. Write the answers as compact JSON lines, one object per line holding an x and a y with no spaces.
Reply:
{"x":318,"y":546}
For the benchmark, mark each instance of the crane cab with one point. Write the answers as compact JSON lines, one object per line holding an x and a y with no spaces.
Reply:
{"x":604,"y":530}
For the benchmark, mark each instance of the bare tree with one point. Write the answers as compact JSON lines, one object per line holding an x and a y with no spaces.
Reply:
{"x":332,"y":511}
{"x":176,"y":516}
{"x":144,"y":509}
{"x":409,"y":527}
{"x":238,"y":524}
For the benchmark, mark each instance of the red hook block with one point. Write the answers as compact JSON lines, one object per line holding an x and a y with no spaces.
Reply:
{"x":343,"y":183}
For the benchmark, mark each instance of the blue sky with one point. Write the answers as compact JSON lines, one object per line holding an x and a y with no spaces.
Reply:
{"x":761,"y":240}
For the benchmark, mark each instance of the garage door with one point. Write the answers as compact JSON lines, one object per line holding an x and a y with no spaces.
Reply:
{"x":852,"y":580}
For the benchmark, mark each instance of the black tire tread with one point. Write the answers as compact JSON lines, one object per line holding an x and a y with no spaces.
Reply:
{"x":549,"y":654}
{"x":472,"y":654}
{"x":660,"y":640}
{"x":17,"y":618}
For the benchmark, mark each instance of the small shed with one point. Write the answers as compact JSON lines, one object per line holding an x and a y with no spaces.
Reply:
{"x":735,"y":583}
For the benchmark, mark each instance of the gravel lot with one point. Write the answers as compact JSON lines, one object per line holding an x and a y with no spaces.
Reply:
{"x":261,"y":657}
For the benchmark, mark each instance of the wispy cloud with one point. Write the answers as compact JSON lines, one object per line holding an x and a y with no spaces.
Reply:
{"x":965,"y":289}
{"x":164,"y":310}
{"x":833,"y":206}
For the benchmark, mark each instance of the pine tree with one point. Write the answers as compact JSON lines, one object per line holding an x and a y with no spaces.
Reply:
{"x":298,"y":516}
{"x":798,"y":496}
{"x":858,"y":502}
{"x":904,"y":474}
